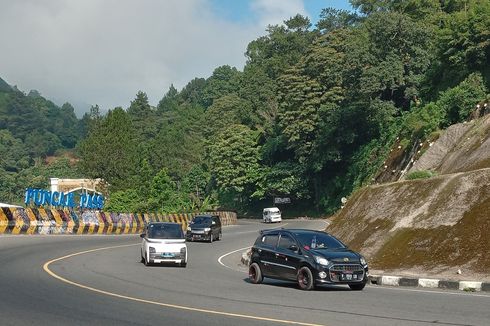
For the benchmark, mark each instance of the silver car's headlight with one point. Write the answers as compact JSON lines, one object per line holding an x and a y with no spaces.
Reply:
{"x":207,"y":229}
{"x":363,"y":261}
{"x":321,"y":260}
{"x":152,"y":250}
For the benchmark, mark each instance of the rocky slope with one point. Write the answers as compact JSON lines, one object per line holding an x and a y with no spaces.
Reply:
{"x":430,"y":226}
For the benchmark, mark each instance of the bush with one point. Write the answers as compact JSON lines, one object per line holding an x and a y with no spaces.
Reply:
{"x":423,"y":174}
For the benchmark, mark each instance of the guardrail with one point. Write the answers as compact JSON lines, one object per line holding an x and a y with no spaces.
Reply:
{"x":65,"y":221}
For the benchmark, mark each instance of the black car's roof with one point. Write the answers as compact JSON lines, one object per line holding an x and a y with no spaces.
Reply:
{"x":163,"y":223}
{"x":295,"y":231}
{"x":292,"y":231}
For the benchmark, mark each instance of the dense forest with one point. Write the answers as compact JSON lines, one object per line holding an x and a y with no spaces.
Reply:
{"x":312,"y":116}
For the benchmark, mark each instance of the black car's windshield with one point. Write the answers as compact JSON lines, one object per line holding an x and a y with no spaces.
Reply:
{"x":202,"y":220}
{"x":165,"y":231}
{"x":318,"y":240}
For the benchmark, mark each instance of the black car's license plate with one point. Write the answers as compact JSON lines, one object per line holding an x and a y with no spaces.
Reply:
{"x":349,"y":277}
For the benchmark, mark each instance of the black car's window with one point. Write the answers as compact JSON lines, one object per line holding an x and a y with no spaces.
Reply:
{"x":285,"y":242}
{"x":165,"y":231}
{"x":318,"y":240}
{"x":216,"y":219}
{"x":202,"y":220}
{"x":270,"y":239}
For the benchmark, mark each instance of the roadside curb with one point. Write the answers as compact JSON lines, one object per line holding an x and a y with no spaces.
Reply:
{"x":387,"y":280}
{"x":468,"y":286}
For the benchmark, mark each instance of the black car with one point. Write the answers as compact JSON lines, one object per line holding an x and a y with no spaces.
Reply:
{"x":204,"y":227}
{"x":308,"y":257}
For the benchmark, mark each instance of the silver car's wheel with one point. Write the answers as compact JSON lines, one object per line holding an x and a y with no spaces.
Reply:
{"x":147,"y":263}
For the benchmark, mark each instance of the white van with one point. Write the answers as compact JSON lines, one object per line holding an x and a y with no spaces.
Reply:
{"x":271,"y":214}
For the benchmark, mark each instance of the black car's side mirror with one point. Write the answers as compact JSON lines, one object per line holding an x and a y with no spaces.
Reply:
{"x":293,"y":247}
{"x":142,"y":235}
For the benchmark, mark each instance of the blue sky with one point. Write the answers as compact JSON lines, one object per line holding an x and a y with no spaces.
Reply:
{"x":95,"y":52}
{"x":242,"y":10}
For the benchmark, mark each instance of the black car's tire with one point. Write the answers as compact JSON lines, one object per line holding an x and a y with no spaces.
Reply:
{"x":255,"y":274}
{"x":220,"y":236}
{"x":357,"y":287}
{"x":211,"y":237}
{"x":305,"y":279}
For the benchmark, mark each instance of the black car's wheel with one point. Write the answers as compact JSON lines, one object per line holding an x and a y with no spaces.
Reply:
{"x":305,"y":279}
{"x":220,"y":236}
{"x":211,"y":237}
{"x":357,"y":287}
{"x":255,"y":274}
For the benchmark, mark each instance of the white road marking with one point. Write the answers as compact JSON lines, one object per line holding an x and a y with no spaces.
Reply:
{"x":161,"y":304}
{"x":232,"y":252}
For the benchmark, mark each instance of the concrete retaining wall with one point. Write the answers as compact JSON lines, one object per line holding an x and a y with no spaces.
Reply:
{"x":64,"y":221}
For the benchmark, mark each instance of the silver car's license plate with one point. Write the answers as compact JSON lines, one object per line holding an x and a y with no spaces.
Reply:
{"x":168,"y":255}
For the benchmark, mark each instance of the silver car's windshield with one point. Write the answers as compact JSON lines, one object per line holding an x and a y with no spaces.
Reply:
{"x":165,"y":231}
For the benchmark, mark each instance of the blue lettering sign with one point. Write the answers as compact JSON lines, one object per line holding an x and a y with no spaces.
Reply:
{"x":42,"y":197}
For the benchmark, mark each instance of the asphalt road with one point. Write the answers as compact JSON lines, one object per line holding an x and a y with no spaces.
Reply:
{"x":97,"y":286}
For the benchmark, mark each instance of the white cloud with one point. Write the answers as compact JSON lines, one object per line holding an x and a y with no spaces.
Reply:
{"x":272,"y":12}
{"x":103,"y":52}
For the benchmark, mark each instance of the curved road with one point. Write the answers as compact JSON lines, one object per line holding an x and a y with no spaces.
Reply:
{"x":98,"y":280}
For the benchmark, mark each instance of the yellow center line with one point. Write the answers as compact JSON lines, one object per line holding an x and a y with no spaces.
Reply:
{"x":168,"y":305}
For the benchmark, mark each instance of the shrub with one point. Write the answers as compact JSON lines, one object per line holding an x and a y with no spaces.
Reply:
{"x":423,"y":174}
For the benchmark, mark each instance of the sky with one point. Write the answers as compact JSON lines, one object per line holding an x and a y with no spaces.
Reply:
{"x":104,"y":51}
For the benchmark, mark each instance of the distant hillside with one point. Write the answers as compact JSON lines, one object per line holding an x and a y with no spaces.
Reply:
{"x":4,"y":87}
{"x":429,"y":226}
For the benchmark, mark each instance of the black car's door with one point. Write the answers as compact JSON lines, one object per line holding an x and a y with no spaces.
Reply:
{"x":266,"y":251}
{"x":287,"y":258}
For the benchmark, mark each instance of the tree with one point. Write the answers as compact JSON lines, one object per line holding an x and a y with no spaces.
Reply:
{"x":281,"y":48}
{"x":109,"y":152}
{"x":142,"y":117}
{"x":223,"y":81}
{"x":164,"y":195}
{"x":234,"y":160}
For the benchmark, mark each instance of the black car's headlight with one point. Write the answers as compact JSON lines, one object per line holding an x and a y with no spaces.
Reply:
{"x":152,"y":250}
{"x":321,"y":260}
{"x":189,"y":228}
{"x":363,"y":261}
{"x":207,"y":229}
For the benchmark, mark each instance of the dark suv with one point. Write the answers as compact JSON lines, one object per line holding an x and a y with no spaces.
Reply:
{"x":308,"y":257}
{"x":204,"y":227}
